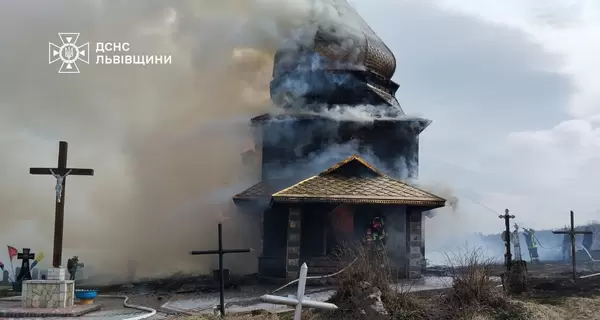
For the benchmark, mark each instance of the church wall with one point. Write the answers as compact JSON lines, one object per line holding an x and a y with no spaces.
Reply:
{"x":290,"y":142}
{"x":294,"y":149}
{"x":395,"y":145}
{"x":416,"y":255}
{"x":294,"y":230}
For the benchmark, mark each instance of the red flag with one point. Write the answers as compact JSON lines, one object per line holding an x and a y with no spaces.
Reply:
{"x":12,"y":252}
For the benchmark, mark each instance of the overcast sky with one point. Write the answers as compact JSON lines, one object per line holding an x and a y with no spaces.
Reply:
{"x":513,"y":89}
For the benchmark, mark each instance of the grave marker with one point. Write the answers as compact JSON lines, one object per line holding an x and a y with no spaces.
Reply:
{"x":60,"y":173}
{"x":5,"y":278}
{"x":221,"y":252}
{"x":299,"y":301}
{"x":25,"y":271}
{"x":571,"y":232}
{"x":506,"y":238}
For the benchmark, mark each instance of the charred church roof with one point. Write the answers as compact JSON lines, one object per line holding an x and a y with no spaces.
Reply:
{"x":342,"y":61}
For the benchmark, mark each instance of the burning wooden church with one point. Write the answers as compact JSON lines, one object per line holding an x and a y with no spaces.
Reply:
{"x":324,"y":174}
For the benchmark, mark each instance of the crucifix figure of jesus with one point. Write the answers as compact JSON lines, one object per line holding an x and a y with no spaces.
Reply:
{"x":59,"y":183}
{"x":60,"y":173}
{"x":571,"y":232}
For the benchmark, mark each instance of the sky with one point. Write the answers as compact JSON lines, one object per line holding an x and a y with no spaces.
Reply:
{"x":513,"y":90}
{"x":511,"y":87}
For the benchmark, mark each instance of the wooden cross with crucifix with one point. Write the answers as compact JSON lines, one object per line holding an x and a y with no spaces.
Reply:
{"x":60,"y":173}
{"x":221,"y":252}
{"x":506,"y":238}
{"x":25,"y":272}
{"x":571,"y":232}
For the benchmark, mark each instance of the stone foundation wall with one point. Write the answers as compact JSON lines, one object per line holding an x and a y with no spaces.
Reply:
{"x":293,"y":244}
{"x":48,"y":293}
{"x":416,"y":259}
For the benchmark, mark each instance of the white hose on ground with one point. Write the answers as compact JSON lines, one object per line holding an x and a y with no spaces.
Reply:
{"x":315,"y":277}
{"x":593,"y":260}
{"x":294,"y":281}
{"x":588,"y":253}
{"x":590,"y":275}
{"x":151,"y":312}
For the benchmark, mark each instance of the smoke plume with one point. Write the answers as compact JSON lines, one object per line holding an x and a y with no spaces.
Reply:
{"x":165,"y":140}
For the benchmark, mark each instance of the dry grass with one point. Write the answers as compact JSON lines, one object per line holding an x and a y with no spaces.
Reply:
{"x":474,"y":293}
{"x":574,"y":308}
{"x":363,"y":265}
{"x":259,"y":315}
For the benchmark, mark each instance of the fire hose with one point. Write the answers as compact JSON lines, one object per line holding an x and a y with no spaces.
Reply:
{"x":577,"y":245}
{"x":295,"y":281}
{"x":150,"y":312}
{"x":538,"y":241}
{"x":315,"y":277}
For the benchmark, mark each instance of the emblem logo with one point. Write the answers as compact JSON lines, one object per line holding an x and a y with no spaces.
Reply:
{"x":68,"y":53}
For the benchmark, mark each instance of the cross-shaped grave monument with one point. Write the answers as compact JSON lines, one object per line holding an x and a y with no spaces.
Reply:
{"x":571,"y":232}
{"x":221,"y":252}
{"x":506,"y":238}
{"x":60,"y":173}
{"x":299,"y":300}
{"x":25,"y":272}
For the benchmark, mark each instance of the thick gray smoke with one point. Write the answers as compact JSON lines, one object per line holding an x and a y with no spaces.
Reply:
{"x":165,"y":141}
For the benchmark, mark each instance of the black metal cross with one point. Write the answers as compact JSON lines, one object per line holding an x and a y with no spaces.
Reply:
{"x":571,"y":232}
{"x":60,"y":173}
{"x":25,"y":272}
{"x":506,"y":236}
{"x":221,"y":252}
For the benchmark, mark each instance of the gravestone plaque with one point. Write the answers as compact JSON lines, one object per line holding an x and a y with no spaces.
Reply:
{"x":25,"y":272}
{"x":5,"y":279}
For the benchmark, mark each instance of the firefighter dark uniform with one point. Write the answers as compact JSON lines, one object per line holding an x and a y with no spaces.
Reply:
{"x":588,"y":239}
{"x":376,"y":236}
{"x":566,"y":247}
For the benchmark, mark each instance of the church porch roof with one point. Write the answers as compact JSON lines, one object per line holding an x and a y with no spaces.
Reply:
{"x":350,"y":181}
{"x":259,"y":191}
{"x":368,"y":186}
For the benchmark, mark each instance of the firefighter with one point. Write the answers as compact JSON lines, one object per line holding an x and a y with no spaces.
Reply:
{"x":72,"y":266}
{"x":376,"y":235}
{"x":566,"y":247}
{"x":588,"y":239}
{"x":531,"y":244}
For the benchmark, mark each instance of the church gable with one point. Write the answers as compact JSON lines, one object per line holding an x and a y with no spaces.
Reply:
{"x":355,"y":181}
{"x":353,"y":166}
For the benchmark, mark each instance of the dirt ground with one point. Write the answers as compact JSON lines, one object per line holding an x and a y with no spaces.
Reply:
{"x":553,"y":295}
{"x":549,"y":299}
{"x":561,"y":298}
